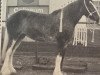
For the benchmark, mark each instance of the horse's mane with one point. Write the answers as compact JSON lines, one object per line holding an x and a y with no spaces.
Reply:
{"x":56,"y":12}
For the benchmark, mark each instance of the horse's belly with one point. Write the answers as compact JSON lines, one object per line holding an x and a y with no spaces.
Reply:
{"x":40,"y":36}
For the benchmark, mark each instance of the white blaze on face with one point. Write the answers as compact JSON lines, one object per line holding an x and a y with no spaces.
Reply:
{"x":57,"y":70}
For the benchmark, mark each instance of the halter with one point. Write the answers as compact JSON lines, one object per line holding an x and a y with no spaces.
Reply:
{"x":90,"y":13}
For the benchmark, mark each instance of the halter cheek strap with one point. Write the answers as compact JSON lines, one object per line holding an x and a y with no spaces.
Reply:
{"x":95,"y":8}
{"x":87,"y":8}
{"x":90,"y":13}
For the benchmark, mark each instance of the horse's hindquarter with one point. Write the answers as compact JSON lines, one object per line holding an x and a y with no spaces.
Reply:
{"x":26,"y":22}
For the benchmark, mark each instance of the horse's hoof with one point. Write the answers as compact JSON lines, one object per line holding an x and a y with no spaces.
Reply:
{"x":8,"y":72}
{"x":64,"y":73}
{"x":1,"y":73}
{"x":13,"y":71}
{"x":58,"y":73}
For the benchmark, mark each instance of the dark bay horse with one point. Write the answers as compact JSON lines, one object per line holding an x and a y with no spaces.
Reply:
{"x":45,"y":27}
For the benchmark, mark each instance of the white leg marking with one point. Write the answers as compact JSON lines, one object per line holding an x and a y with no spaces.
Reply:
{"x":6,"y":68}
{"x":11,"y":60}
{"x":11,"y":64}
{"x":57,"y":70}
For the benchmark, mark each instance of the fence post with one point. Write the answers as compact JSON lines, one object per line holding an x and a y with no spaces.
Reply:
{"x":36,"y":53}
{"x":3,"y":19}
{"x":0,"y":34}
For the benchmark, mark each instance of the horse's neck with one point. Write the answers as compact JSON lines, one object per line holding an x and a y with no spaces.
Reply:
{"x":56,"y":14}
{"x":73,"y":13}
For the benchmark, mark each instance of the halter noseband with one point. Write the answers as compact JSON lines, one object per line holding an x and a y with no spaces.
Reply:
{"x":90,"y":13}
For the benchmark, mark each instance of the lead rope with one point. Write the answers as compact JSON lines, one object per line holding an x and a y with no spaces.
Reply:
{"x":61,"y":21}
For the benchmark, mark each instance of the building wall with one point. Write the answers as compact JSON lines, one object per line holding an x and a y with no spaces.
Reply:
{"x":58,"y":4}
{"x":39,"y":6}
{"x":27,"y":2}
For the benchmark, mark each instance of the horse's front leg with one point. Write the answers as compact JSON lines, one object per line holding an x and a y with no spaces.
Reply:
{"x":57,"y":70}
{"x":59,"y":62}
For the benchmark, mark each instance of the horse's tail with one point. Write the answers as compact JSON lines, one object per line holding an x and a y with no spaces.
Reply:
{"x":5,"y":45}
{"x":12,"y":30}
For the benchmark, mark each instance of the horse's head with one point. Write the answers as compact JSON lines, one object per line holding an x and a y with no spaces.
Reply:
{"x":90,"y":10}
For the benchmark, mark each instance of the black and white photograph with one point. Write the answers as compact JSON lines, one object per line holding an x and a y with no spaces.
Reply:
{"x":49,"y":37}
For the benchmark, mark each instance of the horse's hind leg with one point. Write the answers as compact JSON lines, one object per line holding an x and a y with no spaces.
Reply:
{"x":14,"y":49}
{"x":7,"y":68}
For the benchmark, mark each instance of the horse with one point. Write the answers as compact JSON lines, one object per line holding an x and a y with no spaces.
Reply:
{"x":44,"y":27}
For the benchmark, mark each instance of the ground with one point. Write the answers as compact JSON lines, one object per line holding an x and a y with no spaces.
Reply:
{"x":78,"y":60}
{"x":86,"y":66}
{"x":77,"y":65}
{"x":49,"y":72}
